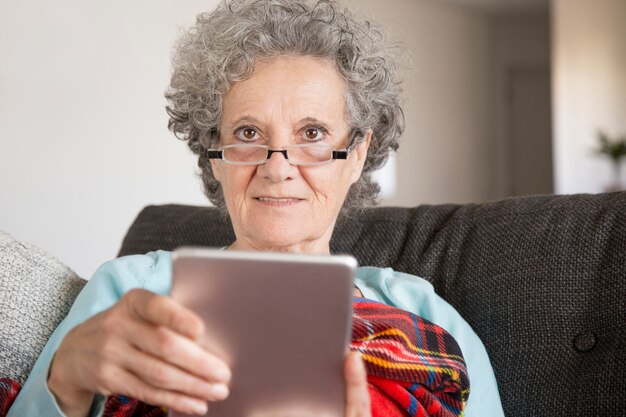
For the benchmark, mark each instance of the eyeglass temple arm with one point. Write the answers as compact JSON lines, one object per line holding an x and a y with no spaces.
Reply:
{"x":343,"y":154}
{"x":214,"y":154}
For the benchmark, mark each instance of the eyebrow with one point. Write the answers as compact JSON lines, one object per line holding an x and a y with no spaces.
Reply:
{"x":313,"y":120}
{"x":245,"y":119}
{"x":306,"y":120}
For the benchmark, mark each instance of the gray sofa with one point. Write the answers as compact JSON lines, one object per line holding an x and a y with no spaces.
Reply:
{"x":542,"y":280}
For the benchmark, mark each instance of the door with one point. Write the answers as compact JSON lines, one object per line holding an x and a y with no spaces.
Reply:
{"x":530,"y":123}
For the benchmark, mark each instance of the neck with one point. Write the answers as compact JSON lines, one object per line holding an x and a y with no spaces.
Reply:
{"x":316,"y":247}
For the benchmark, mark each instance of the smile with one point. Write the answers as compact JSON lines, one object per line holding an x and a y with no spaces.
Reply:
{"x":278,"y":202}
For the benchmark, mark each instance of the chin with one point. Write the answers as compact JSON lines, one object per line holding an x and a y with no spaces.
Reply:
{"x":281,"y":240}
{"x":283,"y":236}
{"x":285,"y":230}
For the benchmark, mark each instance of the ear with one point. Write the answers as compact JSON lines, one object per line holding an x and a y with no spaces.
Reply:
{"x":360,"y":152}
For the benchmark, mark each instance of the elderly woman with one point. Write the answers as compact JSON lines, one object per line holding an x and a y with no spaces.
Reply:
{"x":290,"y":107}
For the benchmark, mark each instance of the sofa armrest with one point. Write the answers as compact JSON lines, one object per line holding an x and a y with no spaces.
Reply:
{"x":36,"y":293}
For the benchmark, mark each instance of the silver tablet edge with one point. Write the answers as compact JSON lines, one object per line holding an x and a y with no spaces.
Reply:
{"x":212,"y":253}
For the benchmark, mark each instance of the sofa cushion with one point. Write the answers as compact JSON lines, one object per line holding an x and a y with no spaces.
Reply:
{"x":36,"y":292}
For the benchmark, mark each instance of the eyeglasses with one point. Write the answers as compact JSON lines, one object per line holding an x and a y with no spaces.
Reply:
{"x":307,"y":154}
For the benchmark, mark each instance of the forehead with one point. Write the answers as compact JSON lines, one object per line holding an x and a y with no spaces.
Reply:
{"x":287,"y":90}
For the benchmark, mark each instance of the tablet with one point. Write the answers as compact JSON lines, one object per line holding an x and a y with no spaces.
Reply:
{"x":281,"y":321}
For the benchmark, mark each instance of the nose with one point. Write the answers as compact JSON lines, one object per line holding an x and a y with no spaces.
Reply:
{"x":277,"y":167}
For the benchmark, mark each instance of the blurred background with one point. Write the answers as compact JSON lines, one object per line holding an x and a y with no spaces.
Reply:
{"x":502,"y":98}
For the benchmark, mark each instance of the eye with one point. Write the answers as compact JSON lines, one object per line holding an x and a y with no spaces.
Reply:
{"x":314,"y":133}
{"x":247,"y":133}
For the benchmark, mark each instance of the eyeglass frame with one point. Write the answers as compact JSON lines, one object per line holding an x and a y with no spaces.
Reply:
{"x":335,"y":154}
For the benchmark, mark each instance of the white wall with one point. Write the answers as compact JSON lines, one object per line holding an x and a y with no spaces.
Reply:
{"x":444,"y":152}
{"x":83,"y":138}
{"x":589,"y":88}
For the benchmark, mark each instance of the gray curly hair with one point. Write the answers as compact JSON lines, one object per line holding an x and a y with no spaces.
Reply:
{"x":224,"y":45}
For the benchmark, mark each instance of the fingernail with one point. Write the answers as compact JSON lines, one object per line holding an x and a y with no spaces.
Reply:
{"x":220,"y":391}
{"x":199,"y":407}
{"x":358,"y":358}
{"x":222,"y":374}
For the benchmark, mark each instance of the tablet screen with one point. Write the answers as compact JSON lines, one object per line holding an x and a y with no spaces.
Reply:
{"x":281,"y":321}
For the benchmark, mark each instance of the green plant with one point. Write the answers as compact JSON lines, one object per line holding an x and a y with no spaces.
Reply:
{"x":615,"y":149}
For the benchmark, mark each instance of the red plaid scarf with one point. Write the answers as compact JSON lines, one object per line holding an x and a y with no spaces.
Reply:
{"x":415,"y":368}
{"x":8,"y":391}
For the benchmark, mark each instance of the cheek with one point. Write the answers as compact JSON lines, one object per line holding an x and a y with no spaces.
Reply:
{"x":329,"y":185}
{"x":235,"y":181}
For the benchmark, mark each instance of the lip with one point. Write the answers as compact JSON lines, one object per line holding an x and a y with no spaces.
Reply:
{"x":278,"y":201}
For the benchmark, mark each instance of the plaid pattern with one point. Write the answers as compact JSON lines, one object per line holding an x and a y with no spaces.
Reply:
{"x":8,"y":392}
{"x":415,"y":368}
{"x":120,"y":406}
{"x":410,"y":361}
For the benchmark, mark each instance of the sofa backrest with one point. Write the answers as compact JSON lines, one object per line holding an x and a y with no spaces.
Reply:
{"x":542,"y":280}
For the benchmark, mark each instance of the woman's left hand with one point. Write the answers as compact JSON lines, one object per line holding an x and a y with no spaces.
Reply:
{"x":357,"y":396}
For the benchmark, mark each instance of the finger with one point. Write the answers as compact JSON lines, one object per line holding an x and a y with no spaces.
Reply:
{"x":163,"y":311}
{"x":177,"y":350}
{"x":133,"y":387}
{"x":163,"y":375}
{"x":357,"y":396}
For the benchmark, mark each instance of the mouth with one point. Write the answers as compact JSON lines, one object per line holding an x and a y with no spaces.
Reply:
{"x":278,"y":201}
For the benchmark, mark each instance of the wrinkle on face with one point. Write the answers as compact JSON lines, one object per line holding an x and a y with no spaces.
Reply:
{"x":281,"y":97}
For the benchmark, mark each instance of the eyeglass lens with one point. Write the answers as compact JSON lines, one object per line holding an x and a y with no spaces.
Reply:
{"x":297,"y":154}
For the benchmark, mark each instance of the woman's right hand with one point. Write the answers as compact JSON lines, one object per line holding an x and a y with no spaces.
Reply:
{"x":144,"y":347}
